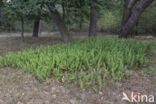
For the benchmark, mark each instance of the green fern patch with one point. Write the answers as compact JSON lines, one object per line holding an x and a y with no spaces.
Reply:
{"x":88,"y":61}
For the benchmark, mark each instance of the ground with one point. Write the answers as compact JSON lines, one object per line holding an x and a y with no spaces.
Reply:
{"x":18,"y":87}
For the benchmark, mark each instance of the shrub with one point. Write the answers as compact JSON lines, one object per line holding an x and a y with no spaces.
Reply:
{"x":88,"y":61}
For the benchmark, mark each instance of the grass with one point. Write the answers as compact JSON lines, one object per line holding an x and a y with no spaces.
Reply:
{"x":152,"y":67}
{"x":89,"y":61}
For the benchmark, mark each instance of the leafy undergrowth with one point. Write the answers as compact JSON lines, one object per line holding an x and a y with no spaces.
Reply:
{"x":88,"y":61}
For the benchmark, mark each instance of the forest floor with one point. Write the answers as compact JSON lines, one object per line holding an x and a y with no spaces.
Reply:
{"x":18,"y":87}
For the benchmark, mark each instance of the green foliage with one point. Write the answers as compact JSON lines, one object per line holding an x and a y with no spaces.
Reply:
{"x":109,"y":21}
{"x":147,"y":21}
{"x":76,"y":14}
{"x":106,"y":102}
{"x":88,"y":61}
{"x":15,"y":9}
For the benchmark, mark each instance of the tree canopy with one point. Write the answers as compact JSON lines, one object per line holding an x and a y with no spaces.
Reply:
{"x":66,"y":12}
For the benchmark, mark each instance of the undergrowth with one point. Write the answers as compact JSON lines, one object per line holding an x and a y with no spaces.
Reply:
{"x":88,"y":61}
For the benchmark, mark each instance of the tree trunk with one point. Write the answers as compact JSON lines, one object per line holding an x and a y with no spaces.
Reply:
{"x":128,"y":6}
{"x":22,"y":27}
{"x":93,"y":21}
{"x":36,"y":27}
{"x":80,"y":25}
{"x":63,"y":10}
{"x":136,"y":32}
{"x":61,"y":25}
{"x":130,"y":20}
{"x":1,"y":5}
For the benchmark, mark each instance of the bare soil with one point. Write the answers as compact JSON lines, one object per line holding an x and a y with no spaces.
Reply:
{"x":19,"y":87}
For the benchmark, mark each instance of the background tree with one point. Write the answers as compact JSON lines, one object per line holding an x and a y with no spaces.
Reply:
{"x":17,"y":10}
{"x":93,"y":19}
{"x":130,"y":16}
{"x":36,"y":27}
{"x":37,"y":13}
{"x":76,"y":15}
{"x":21,"y":9}
{"x":60,"y":23}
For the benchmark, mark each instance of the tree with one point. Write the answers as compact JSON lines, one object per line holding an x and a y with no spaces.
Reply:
{"x":33,"y":9}
{"x":1,"y":5}
{"x":93,"y":21}
{"x":131,"y":16}
{"x":36,"y":27}
{"x":17,"y":10}
{"x":95,"y":6}
{"x":60,"y":24}
{"x":79,"y":12}
{"x":37,"y":12}
{"x":52,"y":6}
